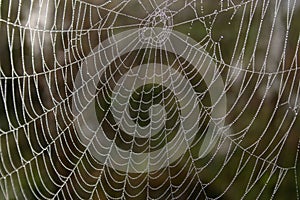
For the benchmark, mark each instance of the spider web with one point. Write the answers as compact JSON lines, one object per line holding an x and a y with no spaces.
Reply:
{"x":149,"y":99}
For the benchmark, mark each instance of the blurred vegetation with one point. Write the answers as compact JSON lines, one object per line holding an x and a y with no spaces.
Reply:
{"x":41,"y":155}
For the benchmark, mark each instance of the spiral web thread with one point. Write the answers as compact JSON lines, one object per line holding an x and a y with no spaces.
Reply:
{"x":226,"y":99}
